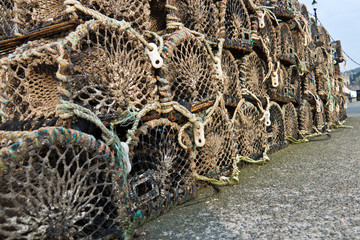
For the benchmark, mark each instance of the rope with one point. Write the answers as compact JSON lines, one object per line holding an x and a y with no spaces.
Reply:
{"x":73,"y":5}
{"x":266,"y":111}
{"x":67,"y":110}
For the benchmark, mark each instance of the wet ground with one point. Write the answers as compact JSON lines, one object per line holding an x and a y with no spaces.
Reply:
{"x":307,"y":191}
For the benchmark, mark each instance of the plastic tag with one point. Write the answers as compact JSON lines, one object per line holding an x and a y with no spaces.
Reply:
{"x":275,"y":79}
{"x":154,"y":55}
{"x":267,"y":118}
{"x":199,"y":134}
{"x":261,"y":19}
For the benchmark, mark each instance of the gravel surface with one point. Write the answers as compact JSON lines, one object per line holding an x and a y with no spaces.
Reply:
{"x":307,"y":191}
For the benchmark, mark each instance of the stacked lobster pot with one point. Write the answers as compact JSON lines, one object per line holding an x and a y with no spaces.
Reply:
{"x":114,"y":111}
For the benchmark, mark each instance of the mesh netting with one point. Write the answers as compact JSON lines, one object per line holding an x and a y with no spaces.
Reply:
{"x":315,"y":33}
{"x":320,"y":119}
{"x":249,"y":131}
{"x":28,"y":83}
{"x":304,"y":12}
{"x":338,"y":54}
{"x":291,"y":127}
{"x":276,"y":131}
{"x":188,"y":70}
{"x":59,"y":184}
{"x":109,"y":71}
{"x":342,"y":106}
{"x":202,"y":16}
{"x":306,"y":117}
{"x":268,"y":35}
{"x":237,"y":24}
{"x":231,"y":83}
{"x":298,"y":43}
{"x":162,"y":171}
{"x":6,"y":17}
{"x":215,"y":158}
{"x":34,"y":14}
{"x":324,"y":36}
{"x":293,"y":89}
{"x":252,"y":74}
{"x":286,"y":42}
{"x":158,"y":15}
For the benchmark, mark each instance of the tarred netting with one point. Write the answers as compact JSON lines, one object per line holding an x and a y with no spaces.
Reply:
{"x":320,"y":118}
{"x":163,"y":172}
{"x":109,"y":71}
{"x":59,"y":184}
{"x":237,"y":25}
{"x":252,"y":74}
{"x":291,"y":126}
{"x":215,"y":158}
{"x":306,"y":117}
{"x":33,"y":14}
{"x":202,"y":16}
{"x":6,"y":19}
{"x":276,"y":131}
{"x":249,"y":130}
{"x":286,"y":43}
{"x":231,"y":82}
{"x":29,"y":86}
{"x":188,"y":70}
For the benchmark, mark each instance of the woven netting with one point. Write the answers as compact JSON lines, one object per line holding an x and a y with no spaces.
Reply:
{"x":306,"y":117}
{"x":29,"y":83}
{"x":291,"y":127}
{"x":188,"y":73}
{"x":286,"y":42}
{"x":37,"y":13}
{"x":320,"y":118}
{"x":293,"y":89}
{"x":162,"y":171}
{"x":158,"y":15}
{"x":231,"y":81}
{"x":202,"y":16}
{"x":215,"y":158}
{"x":237,"y":24}
{"x":252,"y":74}
{"x":324,"y":36}
{"x":298,"y":43}
{"x":6,"y":16}
{"x":338,"y":53}
{"x":268,"y":35}
{"x":304,"y":12}
{"x":276,"y":131}
{"x":309,"y":57}
{"x":337,"y":71}
{"x":59,"y":184}
{"x":342,"y":106}
{"x":315,"y":32}
{"x":249,"y":131}
{"x":309,"y":83}
{"x":109,"y":71}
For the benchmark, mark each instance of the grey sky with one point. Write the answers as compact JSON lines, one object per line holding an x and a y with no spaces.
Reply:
{"x":340,"y":18}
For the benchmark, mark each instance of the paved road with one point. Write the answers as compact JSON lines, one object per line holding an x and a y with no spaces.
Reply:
{"x":307,"y":191}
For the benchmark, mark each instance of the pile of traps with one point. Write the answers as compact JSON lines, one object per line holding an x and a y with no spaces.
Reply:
{"x":112,"y":111}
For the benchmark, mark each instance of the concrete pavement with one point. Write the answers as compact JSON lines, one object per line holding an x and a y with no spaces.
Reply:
{"x":306,"y":191}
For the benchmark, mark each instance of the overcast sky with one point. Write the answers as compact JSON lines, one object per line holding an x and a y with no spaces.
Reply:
{"x":341,"y":18}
